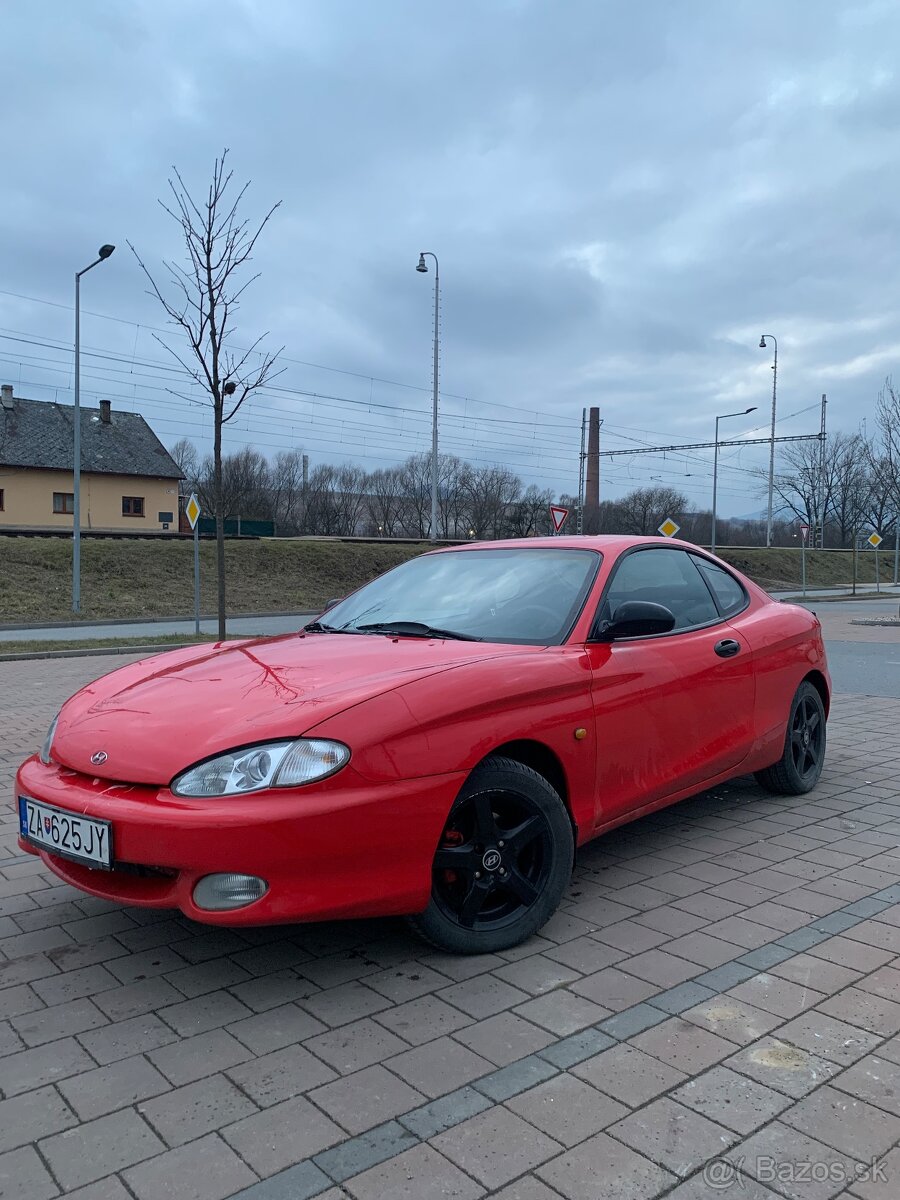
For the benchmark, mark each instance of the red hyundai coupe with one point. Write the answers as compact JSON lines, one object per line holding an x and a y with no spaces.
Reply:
{"x":436,"y":744}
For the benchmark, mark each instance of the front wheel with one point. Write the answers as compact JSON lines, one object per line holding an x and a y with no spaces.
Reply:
{"x":502,"y":864}
{"x":800,"y":765}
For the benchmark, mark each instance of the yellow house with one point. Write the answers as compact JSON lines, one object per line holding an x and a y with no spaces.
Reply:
{"x":129,"y":483}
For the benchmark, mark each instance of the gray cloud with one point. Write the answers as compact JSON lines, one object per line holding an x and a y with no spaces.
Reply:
{"x":622,"y":197}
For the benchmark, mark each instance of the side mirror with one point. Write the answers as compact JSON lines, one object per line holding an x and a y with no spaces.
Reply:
{"x":636,"y":618}
{"x":332,"y":602}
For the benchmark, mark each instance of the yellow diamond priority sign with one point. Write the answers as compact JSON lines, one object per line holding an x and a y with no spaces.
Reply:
{"x":875,"y":540}
{"x":669,"y":527}
{"x":192,"y":510}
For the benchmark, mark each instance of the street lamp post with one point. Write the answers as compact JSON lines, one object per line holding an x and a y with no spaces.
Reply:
{"x":103,"y":253}
{"x":722,"y":417}
{"x":762,"y":346}
{"x":423,"y":267}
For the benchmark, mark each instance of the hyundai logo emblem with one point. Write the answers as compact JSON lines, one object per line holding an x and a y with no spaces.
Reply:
{"x":491,"y":860}
{"x":99,"y":758}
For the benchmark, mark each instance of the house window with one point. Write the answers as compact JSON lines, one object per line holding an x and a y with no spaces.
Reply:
{"x":132,"y":506}
{"x":1,"y":499}
{"x":64,"y":502}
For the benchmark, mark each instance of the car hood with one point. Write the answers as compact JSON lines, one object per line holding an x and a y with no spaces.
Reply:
{"x":157,"y":717}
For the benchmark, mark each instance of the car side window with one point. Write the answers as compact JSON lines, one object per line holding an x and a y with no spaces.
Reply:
{"x":730,"y":596}
{"x":666,"y":577}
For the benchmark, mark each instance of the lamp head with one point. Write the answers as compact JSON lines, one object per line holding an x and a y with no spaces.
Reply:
{"x":422,"y":265}
{"x":105,"y":251}
{"x":762,"y":342}
{"x":748,"y":410}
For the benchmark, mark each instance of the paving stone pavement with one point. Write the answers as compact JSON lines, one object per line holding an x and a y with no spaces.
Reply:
{"x":715,"y":1010}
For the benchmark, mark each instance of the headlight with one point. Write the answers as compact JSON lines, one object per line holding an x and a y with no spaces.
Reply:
{"x":48,"y":742}
{"x":274,"y":764}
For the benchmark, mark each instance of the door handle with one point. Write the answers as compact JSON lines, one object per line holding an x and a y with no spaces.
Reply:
{"x":727,"y":648}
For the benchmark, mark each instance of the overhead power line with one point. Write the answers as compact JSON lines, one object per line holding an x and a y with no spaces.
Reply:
{"x":163,"y":332}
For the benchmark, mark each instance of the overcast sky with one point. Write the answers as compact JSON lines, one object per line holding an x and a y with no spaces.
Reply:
{"x":623,"y":197}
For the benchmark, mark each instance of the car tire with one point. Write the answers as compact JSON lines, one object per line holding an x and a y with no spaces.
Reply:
{"x":503,"y":862}
{"x":800,"y":766}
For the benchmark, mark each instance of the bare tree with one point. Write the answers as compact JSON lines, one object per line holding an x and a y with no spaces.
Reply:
{"x":417,"y":490}
{"x":201,"y":299}
{"x":244,"y":489}
{"x":184,"y":454}
{"x":386,"y":501}
{"x":696,"y":527}
{"x":849,"y":484}
{"x":887,"y":417}
{"x":490,"y":490}
{"x":805,"y":486}
{"x":349,"y":498}
{"x":644,"y":509}
{"x":530,"y":515}
{"x":841,"y":487}
{"x":286,"y":486}
{"x":453,"y":518}
{"x":322,"y":510}
{"x":887,"y":421}
{"x":880,"y":505}
{"x":605,"y":517}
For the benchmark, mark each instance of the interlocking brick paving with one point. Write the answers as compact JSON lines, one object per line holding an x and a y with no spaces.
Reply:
{"x":719,"y":991}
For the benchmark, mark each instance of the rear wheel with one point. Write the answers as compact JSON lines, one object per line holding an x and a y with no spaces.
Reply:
{"x":502,"y":864}
{"x":800,"y":765}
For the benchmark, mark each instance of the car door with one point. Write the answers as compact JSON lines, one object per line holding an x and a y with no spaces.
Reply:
{"x":671,"y":710}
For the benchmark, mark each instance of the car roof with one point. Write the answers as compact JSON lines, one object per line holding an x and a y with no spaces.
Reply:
{"x":614,"y":544}
{"x":598,"y":542}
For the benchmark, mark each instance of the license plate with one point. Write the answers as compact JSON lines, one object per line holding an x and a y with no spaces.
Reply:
{"x":80,"y":838}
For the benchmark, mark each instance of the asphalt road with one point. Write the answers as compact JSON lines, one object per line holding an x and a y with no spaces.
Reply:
{"x":865,"y":668}
{"x":864,"y":660}
{"x":889,"y":607}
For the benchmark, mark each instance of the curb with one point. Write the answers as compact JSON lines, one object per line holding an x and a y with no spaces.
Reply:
{"x":145,"y":650}
{"x":799,"y":598}
{"x":149,"y":620}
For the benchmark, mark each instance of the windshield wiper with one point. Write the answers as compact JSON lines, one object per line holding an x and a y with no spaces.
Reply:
{"x":321,"y":627}
{"x":415,"y":629}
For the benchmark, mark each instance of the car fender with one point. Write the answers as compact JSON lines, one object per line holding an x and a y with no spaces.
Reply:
{"x":787,"y":646}
{"x":451,"y":722}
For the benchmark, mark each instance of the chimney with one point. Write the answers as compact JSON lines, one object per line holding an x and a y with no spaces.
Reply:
{"x":6,"y":396}
{"x":105,"y":416}
{"x":592,"y":489}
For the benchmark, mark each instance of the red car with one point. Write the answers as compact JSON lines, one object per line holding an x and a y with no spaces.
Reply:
{"x":436,"y":744}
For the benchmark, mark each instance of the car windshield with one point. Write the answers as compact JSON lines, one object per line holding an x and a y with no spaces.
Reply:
{"x":521,"y":595}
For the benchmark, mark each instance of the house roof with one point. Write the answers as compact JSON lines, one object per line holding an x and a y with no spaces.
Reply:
{"x":38,"y":434}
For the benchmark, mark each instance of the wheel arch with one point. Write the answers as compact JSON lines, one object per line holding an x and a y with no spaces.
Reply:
{"x":539,"y":757}
{"x":817,"y":679}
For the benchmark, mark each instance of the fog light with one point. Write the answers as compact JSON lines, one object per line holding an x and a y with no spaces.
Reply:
{"x":216,"y":893}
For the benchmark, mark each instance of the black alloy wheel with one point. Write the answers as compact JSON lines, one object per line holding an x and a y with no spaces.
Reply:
{"x":502,"y":864}
{"x":800,"y":766}
{"x":807,"y":736}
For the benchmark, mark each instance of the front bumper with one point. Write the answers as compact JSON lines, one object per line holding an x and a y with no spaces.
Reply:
{"x":344,"y":847}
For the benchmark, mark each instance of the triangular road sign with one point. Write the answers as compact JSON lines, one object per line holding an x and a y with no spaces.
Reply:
{"x":558,"y":516}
